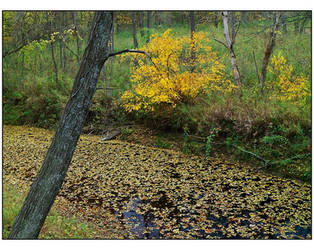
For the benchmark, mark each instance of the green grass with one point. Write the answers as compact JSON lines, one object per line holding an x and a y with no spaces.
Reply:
{"x":32,"y":97}
{"x":253,"y":115}
{"x":161,"y":142}
{"x":55,"y":226}
{"x":38,"y":70}
{"x":252,"y":37}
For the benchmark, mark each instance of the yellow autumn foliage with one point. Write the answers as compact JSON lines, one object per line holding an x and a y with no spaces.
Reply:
{"x":290,"y":87}
{"x":123,"y":19}
{"x":180,"y":70}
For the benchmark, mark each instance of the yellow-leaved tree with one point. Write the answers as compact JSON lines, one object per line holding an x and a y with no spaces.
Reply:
{"x":182,"y":69}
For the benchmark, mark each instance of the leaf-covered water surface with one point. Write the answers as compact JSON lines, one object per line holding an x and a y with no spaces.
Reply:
{"x":138,"y":192}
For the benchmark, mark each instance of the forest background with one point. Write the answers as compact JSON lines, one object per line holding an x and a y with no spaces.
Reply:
{"x":186,"y":91}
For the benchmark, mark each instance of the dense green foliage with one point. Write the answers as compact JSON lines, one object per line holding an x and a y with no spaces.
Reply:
{"x":37,"y":80}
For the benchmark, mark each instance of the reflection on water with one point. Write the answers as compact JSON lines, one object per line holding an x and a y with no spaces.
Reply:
{"x":144,"y":224}
{"x":139,"y":222}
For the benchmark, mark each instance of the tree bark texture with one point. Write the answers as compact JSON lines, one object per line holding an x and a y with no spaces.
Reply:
{"x":232,"y":23}
{"x":229,"y":44}
{"x":269,"y":50}
{"x":49,"y":180}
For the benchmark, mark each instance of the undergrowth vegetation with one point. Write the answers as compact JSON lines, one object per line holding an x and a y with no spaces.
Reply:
{"x":274,"y":126}
{"x":185,"y":87}
{"x":56,"y":226}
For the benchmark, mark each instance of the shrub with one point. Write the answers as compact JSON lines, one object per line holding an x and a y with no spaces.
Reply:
{"x":39,"y":102}
{"x":287,"y":85}
{"x":183,"y":69}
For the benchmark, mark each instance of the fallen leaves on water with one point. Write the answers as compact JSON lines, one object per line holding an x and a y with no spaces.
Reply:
{"x":130,"y":191}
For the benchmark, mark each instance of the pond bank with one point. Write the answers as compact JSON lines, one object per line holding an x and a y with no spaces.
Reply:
{"x":139,"y":192}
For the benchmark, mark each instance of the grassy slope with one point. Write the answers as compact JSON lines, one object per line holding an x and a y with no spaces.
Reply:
{"x":58,"y":224}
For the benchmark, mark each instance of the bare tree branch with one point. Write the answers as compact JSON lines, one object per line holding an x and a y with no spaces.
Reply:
{"x":66,"y":46}
{"x":133,"y":51}
{"x":13,"y":51}
{"x":235,"y":33}
{"x":250,"y":153}
{"x":221,"y":43}
{"x":128,"y":51}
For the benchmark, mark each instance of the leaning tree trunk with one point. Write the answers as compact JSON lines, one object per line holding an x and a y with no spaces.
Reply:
{"x":52,"y":173}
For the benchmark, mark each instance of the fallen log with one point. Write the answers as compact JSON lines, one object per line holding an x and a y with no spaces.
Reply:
{"x":111,"y":134}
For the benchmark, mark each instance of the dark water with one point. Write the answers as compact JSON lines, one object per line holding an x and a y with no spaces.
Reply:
{"x":143,"y":224}
{"x":140,"y":222}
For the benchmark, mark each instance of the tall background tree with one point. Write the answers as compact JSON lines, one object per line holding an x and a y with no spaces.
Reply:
{"x":149,"y":16}
{"x":31,"y":94}
{"x":134,"y":30}
{"x":229,"y":44}
{"x":269,"y":48}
